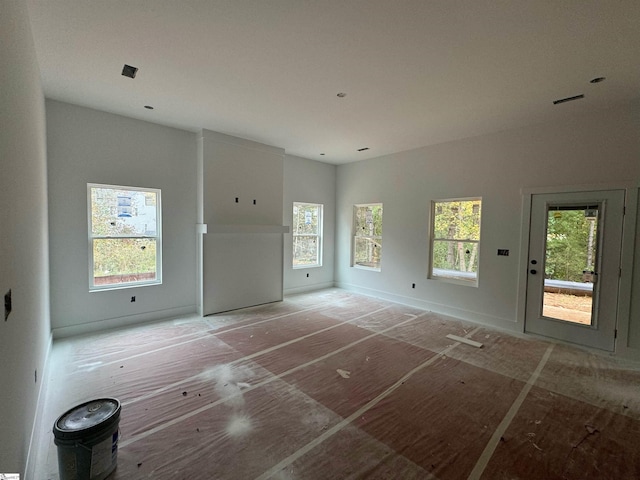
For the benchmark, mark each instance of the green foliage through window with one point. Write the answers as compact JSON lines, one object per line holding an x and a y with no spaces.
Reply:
{"x":367,"y":242}
{"x":456,"y":239}
{"x":571,"y":243}
{"x":307,"y":235}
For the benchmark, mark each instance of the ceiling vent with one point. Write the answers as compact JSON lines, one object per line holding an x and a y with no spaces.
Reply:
{"x":568,"y":99}
{"x":129,"y":71}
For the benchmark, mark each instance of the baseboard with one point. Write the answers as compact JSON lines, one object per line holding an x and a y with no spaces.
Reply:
{"x":309,"y":288}
{"x":107,"y":324}
{"x":36,"y":429}
{"x":459,"y":313}
{"x":628,"y":353}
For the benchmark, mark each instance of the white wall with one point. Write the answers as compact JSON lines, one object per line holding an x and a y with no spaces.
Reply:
{"x":241,"y":252}
{"x":24,"y":262}
{"x":89,"y":146}
{"x":600,"y":148}
{"x":313,"y":182}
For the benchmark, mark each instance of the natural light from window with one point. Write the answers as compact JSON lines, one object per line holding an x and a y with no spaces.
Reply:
{"x":307,"y":235}
{"x":367,"y":236}
{"x":124,"y":236}
{"x":455,"y":240}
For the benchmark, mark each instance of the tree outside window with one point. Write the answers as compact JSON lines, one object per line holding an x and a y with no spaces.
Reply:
{"x":367,"y":236}
{"x":571,"y":243}
{"x":307,"y":235}
{"x":456,"y":240}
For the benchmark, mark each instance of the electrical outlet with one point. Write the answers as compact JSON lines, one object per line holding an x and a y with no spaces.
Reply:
{"x":413,"y":285}
{"x":133,"y":299}
{"x":307,"y":275}
{"x":7,"y":305}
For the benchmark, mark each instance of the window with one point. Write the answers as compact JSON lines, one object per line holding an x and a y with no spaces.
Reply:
{"x":455,"y":240}
{"x":367,"y":236}
{"x":124,"y":236}
{"x":307,"y":235}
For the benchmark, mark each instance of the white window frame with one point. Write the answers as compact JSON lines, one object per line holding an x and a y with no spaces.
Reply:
{"x":91,"y":238}
{"x":318,"y":235}
{"x":454,"y":276}
{"x":358,"y":235}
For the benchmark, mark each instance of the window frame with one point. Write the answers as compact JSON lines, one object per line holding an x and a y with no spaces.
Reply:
{"x":318,"y":235}
{"x":356,"y":236}
{"x":157,"y":238}
{"x":459,"y":279}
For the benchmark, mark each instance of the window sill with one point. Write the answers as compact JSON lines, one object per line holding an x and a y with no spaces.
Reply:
{"x":108,"y":288}
{"x":371,"y":269}
{"x":455,"y":281}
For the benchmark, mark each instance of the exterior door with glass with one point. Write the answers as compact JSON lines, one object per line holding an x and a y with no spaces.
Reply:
{"x":574,"y":266}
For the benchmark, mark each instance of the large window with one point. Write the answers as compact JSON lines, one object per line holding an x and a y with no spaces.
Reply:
{"x":124,"y":236}
{"x":455,"y":240}
{"x":367,"y":235}
{"x":307,"y":235}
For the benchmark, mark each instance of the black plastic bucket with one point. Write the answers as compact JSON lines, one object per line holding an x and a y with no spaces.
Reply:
{"x":87,"y":440}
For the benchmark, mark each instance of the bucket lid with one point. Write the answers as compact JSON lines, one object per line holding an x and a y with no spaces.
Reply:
{"x":87,"y":418}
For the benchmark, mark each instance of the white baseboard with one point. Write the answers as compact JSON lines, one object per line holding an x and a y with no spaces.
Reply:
{"x":107,"y":324}
{"x":36,"y":429}
{"x":309,"y":288}
{"x":459,"y":313}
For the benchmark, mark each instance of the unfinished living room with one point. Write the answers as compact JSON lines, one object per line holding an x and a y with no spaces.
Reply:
{"x":310,"y":240}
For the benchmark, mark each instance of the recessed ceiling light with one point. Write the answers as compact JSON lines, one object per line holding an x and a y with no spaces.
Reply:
{"x":363,"y":149}
{"x":597,"y":80}
{"x":129,"y":71}
{"x":148,"y":107}
{"x":342,"y":95}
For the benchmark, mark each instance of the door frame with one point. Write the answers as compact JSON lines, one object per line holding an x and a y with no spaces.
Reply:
{"x":632,"y":192}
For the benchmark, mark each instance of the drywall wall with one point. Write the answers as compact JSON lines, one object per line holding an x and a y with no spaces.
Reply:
{"x":312,"y":182}
{"x":24,"y":263}
{"x":89,"y":146}
{"x":241,"y":253}
{"x":603,"y":147}
{"x":634,"y":324}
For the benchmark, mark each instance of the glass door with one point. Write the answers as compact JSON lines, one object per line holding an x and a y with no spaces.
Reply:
{"x":574,"y":264}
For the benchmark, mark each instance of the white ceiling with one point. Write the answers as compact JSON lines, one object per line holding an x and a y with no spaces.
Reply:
{"x":416,"y":72}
